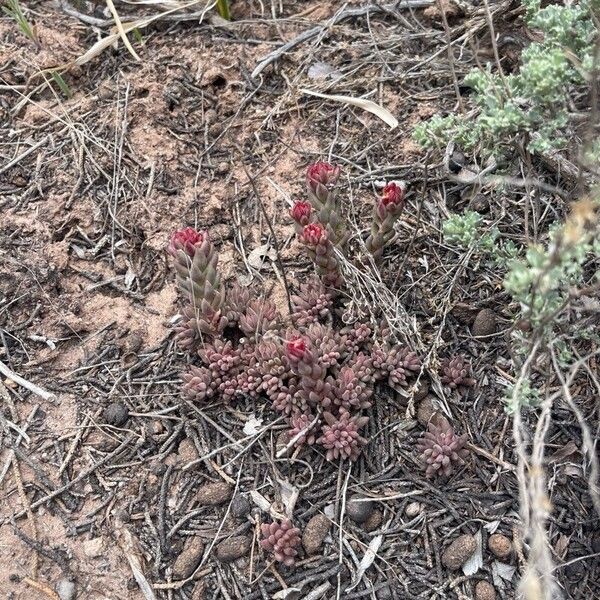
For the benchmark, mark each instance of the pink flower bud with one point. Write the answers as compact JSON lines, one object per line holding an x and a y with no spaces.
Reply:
{"x":296,"y":348}
{"x":301,"y":212}
{"x":186,"y":239}
{"x":392,"y":194}
{"x":313,"y":234}
{"x":323,"y":173}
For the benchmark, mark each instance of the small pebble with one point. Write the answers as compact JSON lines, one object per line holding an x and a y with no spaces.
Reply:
{"x":373,"y":521}
{"x":413,"y":509}
{"x":359,"y":510}
{"x":214,"y":494}
{"x":93,"y":548}
{"x":115,"y":414}
{"x":240,"y":506}
{"x":458,"y":552}
{"x":222,"y":168}
{"x":315,"y":533}
{"x":189,"y":558}
{"x":66,"y":589}
{"x":187,"y":451}
{"x":499,"y":545}
{"x":484,"y":591}
{"x":421,"y":391}
{"x":233,"y":548}
{"x":485,"y":323}
{"x":426,"y":410}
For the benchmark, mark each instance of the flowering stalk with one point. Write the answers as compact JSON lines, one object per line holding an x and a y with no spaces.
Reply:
{"x":387,"y":210}
{"x":321,"y":178}
{"x":304,"y":363}
{"x":316,"y":239}
{"x":195,"y":261}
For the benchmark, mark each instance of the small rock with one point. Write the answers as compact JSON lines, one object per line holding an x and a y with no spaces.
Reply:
{"x":233,"y":548}
{"x":458,"y":552}
{"x":66,"y":589}
{"x":315,"y":532}
{"x":210,"y":116}
{"x":427,"y":411}
{"x":115,"y":414}
{"x":373,"y":521}
{"x":359,"y":509}
{"x":187,"y":451}
{"x":413,"y":509}
{"x":479,"y":203}
{"x":189,"y":558}
{"x":222,"y":168}
{"x":484,"y":591}
{"x":240,"y":506}
{"x":213,"y":494}
{"x":499,"y":545}
{"x":485,"y":323}
{"x":93,"y":548}
{"x":421,"y":391}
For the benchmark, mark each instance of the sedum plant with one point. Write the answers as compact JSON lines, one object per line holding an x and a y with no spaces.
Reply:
{"x":320,"y":374}
{"x":281,"y":539}
{"x":442,"y":449}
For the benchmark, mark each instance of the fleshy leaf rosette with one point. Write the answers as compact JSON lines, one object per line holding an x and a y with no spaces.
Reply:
{"x":341,"y":435}
{"x":316,"y":238}
{"x":442,"y":449}
{"x":387,"y":211}
{"x":321,"y":179}
{"x":195,"y":261}
{"x":281,"y":539}
{"x":301,"y":213}
{"x":456,"y":373}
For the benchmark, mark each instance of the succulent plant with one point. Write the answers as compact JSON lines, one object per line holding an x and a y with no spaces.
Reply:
{"x":304,"y":428}
{"x":316,"y":238}
{"x":301,"y":213}
{"x":195,"y":261}
{"x":442,"y":449}
{"x":281,"y":539}
{"x":341,"y":435}
{"x":387,"y":210}
{"x":321,"y":179}
{"x":320,"y":376}
{"x":456,"y":373}
{"x":312,"y":304}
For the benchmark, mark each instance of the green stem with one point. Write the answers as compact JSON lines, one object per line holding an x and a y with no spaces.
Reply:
{"x":223,"y":9}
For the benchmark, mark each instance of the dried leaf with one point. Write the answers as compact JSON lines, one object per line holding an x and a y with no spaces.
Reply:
{"x":321,"y":70}
{"x":289,"y":496}
{"x":500,"y":572}
{"x":367,"y":560}
{"x":475,"y":562}
{"x":383,"y":113}
{"x":257,"y":257}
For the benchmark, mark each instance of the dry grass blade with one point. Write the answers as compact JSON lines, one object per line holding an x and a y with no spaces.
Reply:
{"x":121,"y":30}
{"x":383,"y":113}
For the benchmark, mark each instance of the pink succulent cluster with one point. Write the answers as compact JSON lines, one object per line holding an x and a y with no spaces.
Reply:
{"x":341,"y":435}
{"x":442,"y":449}
{"x":456,"y":373}
{"x":282,"y":539}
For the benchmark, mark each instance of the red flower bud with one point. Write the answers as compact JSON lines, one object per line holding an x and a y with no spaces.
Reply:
{"x":323,"y":173}
{"x":313,"y":234}
{"x":296,"y":348}
{"x":186,"y":239}
{"x":392,"y":194}
{"x":301,"y":212}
